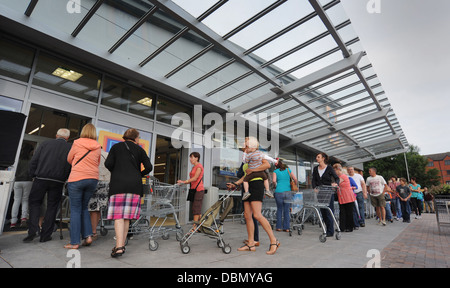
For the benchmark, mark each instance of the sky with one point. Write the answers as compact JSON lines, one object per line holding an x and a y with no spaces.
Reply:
{"x":408,"y":44}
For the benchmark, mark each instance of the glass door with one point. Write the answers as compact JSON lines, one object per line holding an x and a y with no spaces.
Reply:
{"x":167,"y":168}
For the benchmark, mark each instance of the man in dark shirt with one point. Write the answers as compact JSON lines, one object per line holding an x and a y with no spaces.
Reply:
{"x":50,"y":170}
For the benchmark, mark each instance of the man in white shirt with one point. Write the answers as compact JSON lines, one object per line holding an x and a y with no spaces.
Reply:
{"x":361,"y":193}
{"x":376,"y":185}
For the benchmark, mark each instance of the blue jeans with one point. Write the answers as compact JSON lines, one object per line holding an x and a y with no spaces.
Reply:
{"x":388,"y":211}
{"x":361,"y":208}
{"x":80,"y":221}
{"x":398,"y":207}
{"x":283,"y":207}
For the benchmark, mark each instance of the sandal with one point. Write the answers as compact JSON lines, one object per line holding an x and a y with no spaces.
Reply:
{"x":70,"y":246}
{"x":247,"y":248}
{"x":87,"y":241}
{"x":115,"y":252}
{"x":270,"y":252}
{"x":256,"y":243}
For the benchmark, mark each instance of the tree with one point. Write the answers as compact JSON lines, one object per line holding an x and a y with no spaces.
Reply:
{"x":396,"y":166}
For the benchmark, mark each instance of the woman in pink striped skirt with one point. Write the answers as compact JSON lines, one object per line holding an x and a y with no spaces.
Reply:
{"x":125,"y":187}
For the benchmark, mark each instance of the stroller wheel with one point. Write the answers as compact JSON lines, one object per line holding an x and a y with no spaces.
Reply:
{"x":220,"y":243}
{"x":103,"y":231}
{"x":153,"y":245}
{"x":226,"y":249}
{"x":185,"y":248}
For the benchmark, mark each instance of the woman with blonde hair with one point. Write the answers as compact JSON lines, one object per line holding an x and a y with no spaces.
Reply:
{"x":84,"y":156}
{"x":346,"y":199}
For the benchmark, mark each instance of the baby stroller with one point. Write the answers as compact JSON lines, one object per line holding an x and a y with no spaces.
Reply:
{"x":210,"y":225}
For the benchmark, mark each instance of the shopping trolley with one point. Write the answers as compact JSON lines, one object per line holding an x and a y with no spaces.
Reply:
{"x":269,"y":210}
{"x":313,"y":201}
{"x":159,"y":211}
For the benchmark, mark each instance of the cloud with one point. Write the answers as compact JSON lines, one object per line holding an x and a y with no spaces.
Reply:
{"x":408,"y":44}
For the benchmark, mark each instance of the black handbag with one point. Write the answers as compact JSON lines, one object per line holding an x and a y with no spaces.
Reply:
{"x":191,"y":192}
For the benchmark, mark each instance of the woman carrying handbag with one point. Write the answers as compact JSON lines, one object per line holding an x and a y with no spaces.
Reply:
{"x":285,"y":182}
{"x":125,"y":188}
{"x":195,"y":180}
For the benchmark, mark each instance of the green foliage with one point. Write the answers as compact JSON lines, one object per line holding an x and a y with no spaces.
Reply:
{"x":396,"y":166}
{"x":443,"y":189}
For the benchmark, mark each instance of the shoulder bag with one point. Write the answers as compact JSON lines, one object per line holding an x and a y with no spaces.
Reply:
{"x":191,"y":193}
{"x":82,"y":158}
{"x":294,"y":187}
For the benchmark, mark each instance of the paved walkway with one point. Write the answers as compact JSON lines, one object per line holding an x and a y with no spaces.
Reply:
{"x":417,"y":244}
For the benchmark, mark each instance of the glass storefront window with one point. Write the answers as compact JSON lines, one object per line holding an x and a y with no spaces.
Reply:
{"x":166,"y":109}
{"x":128,"y":98}
{"x":10,"y":104}
{"x":45,"y":122}
{"x":65,"y":77}
{"x":15,"y":60}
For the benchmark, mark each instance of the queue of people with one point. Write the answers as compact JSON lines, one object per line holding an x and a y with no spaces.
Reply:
{"x":83,"y":166}
{"x":392,"y":201}
{"x":98,"y":179}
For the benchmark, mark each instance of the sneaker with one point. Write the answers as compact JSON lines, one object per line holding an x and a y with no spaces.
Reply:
{"x":12,"y":226}
{"x":23,"y":223}
{"x":246,"y":195}
{"x":268,"y":193}
{"x":383,"y":222}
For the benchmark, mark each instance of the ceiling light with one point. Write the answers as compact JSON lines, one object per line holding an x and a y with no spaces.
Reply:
{"x":146,"y":101}
{"x":35,"y":130}
{"x":67,"y":74}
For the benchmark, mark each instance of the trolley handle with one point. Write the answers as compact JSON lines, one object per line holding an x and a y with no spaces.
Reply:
{"x":335,"y":186}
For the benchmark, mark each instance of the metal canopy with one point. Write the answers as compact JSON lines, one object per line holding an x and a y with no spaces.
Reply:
{"x":298,"y":58}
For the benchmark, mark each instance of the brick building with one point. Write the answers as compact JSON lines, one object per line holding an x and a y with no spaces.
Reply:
{"x":441,"y":162}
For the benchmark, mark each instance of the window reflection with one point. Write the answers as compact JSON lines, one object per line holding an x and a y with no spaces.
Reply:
{"x":128,"y":98}
{"x":10,"y":104}
{"x":166,"y":109}
{"x":15,"y":60}
{"x":65,"y":77}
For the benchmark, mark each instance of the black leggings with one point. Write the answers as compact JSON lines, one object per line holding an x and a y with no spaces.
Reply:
{"x":417,"y":206}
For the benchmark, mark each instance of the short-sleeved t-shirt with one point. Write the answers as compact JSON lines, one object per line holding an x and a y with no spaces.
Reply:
{"x":376,"y":185}
{"x":357,"y":178}
{"x":415,"y":194}
{"x":403,"y":191}
{"x":254,"y":159}
{"x":283,"y":180}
